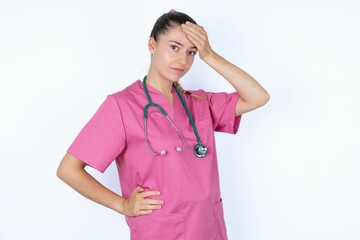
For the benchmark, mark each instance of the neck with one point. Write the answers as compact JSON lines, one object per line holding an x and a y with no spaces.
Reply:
{"x":162,"y":85}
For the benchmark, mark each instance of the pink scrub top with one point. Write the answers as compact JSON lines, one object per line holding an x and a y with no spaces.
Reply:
{"x":189,"y":185}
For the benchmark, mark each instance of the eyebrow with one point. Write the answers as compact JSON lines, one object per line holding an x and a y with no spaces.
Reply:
{"x":180,"y":43}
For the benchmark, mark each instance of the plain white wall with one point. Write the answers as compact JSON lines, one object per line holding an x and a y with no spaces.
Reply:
{"x":291,"y":172}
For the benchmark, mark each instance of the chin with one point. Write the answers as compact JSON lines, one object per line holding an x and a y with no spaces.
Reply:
{"x":173,"y":78}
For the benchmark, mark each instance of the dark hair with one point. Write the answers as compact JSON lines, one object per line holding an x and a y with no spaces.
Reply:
{"x":167,"y":21}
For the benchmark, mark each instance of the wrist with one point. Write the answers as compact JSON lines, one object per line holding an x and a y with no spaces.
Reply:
{"x":119,"y":205}
{"x":210,"y":57}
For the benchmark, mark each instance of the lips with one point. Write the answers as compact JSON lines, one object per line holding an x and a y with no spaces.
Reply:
{"x":179,"y":70}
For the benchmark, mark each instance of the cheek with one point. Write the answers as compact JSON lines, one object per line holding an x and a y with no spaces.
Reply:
{"x":190,"y":60}
{"x":168,"y":55}
{"x":161,"y":57}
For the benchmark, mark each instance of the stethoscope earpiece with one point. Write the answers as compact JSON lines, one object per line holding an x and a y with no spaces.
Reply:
{"x":200,"y":150}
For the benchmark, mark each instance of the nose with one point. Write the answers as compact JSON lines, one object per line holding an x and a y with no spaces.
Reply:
{"x":182,"y":58}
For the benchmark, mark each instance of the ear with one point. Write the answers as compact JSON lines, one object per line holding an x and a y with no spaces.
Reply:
{"x":152,"y":45}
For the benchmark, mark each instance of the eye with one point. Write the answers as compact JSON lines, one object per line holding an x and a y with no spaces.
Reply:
{"x":174,"y":47}
{"x":192,"y":53}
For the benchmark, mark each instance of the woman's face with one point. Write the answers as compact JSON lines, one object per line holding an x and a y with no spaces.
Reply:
{"x":172,"y":55}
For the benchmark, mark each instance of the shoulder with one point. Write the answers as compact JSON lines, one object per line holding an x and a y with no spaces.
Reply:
{"x":128,"y":92}
{"x":201,"y":95}
{"x":200,"y":92}
{"x":213,"y":98}
{"x":208,"y":94}
{"x":197,"y":94}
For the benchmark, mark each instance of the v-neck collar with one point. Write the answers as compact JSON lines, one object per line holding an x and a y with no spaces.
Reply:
{"x":158,"y":98}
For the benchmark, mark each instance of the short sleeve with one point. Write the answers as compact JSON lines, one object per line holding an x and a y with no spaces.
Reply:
{"x":223,"y":111}
{"x":103,"y":137}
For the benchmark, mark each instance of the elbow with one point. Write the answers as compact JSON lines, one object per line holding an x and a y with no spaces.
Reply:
{"x":262,"y":99}
{"x":244,"y":106}
{"x":265,"y":98}
{"x":69,"y":168}
{"x":66,"y":174}
{"x":61,"y":172}
{"x":64,"y":169}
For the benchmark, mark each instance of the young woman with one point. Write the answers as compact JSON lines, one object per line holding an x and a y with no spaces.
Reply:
{"x":162,"y":139}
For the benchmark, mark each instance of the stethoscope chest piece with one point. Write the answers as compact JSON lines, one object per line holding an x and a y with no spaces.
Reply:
{"x":200,"y":150}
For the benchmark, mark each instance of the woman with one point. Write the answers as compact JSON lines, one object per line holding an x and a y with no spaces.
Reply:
{"x":165,"y":154}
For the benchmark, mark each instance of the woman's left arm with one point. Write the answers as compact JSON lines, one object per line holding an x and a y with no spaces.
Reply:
{"x":251,"y":94}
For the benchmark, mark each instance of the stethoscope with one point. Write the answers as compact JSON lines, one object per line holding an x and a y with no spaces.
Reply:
{"x":200,"y":150}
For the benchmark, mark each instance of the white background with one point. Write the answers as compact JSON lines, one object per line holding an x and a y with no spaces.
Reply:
{"x":291,"y":172}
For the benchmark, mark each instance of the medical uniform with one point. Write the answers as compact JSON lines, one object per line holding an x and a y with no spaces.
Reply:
{"x":189,"y":185}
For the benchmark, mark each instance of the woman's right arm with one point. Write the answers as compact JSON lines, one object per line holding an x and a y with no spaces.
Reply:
{"x":72,"y":171}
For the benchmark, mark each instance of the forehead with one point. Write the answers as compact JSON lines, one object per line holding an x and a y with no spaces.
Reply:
{"x":175,"y":33}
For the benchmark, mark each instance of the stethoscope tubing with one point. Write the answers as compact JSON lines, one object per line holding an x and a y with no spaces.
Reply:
{"x":200,"y":150}
{"x":189,"y":114}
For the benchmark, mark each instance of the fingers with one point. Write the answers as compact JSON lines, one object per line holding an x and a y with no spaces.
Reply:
{"x":142,"y":193}
{"x":198,"y":36}
{"x":195,"y":28}
{"x":138,"y":189}
{"x":194,"y":31}
{"x":139,"y":202}
{"x":145,"y":212}
{"x":147,"y":206}
{"x":153,"y":202}
{"x":145,"y":194}
{"x":144,"y":207}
